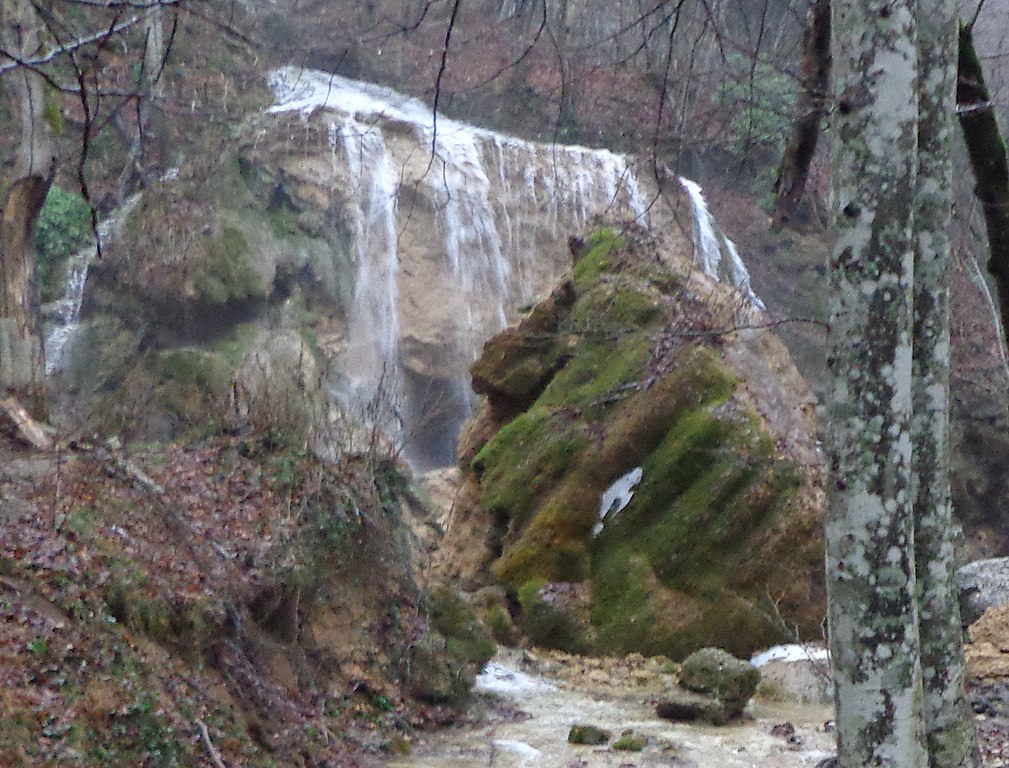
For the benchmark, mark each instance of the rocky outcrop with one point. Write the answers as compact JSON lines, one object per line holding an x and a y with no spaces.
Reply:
{"x":983,"y":584}
{"x":645,"y":376}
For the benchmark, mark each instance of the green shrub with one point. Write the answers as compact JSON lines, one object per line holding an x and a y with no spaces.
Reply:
{"x":547,"y":625}
{"x":64,"y":226}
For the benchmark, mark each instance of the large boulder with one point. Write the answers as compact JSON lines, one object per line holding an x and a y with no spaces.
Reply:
{"x":717,"y":673}
{"x":668,"y":468}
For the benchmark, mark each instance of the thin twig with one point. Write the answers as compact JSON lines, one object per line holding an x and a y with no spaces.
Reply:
{"x":215,"y":756}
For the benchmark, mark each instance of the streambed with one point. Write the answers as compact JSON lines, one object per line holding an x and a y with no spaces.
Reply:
{"x":527,"y":704}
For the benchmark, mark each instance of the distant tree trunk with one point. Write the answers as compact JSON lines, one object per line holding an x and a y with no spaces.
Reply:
{"x":811,"y":110}
{"x":987,"y":152}
{"x":22,"y":361}
{"x":949,"y":721}
{"x":869,"y":532}
{"x":150,"y":127}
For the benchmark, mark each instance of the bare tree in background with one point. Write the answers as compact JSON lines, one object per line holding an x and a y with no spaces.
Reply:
{"x":22,"y":364}
{"x":46,"y":53}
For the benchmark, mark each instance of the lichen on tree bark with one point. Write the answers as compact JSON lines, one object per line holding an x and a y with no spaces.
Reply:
{"x":870,"y":564}
{"x":949,"y":722}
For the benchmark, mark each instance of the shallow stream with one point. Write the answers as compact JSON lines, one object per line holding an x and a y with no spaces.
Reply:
{"x":527,"y":704}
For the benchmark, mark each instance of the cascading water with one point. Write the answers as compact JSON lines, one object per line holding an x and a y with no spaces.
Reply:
{"x":65,"y":312}
{"x":374,"y":319}
{"x":716,"y":254}
{"x":493,"y":205}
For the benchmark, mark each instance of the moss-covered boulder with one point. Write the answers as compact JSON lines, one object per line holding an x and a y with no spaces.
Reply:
{"x":447,"y":658}
{"x":657,"y":461}
{"x":590,"y":735}
{"x":717,"y":673}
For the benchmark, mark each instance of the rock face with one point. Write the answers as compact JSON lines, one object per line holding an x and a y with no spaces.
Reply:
{"x":449,"y":229}
{"x":397,"y":244}
{"x":983,"y":584}
{"x":720,"y":531}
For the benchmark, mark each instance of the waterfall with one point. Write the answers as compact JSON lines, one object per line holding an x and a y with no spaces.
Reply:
{"x":454,"y":228}
{"x":65,"y":312}
{"x":716,"y":254}
{"x":373,"y":325}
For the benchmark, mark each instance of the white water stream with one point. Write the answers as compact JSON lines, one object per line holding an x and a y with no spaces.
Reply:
{"x":66,"y":311}
{"x":716,"y":254}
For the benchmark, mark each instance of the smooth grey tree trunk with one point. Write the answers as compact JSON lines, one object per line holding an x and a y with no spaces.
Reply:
{"x":949,"y":721}
{"x":869,"y":533}
{"x":22,"y":360}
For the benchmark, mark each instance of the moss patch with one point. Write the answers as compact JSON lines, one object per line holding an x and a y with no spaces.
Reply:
{"x":225,"y":274}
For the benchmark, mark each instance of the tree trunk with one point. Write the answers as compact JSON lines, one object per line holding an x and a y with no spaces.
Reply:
{"x":22,"y":359}
{"x":987,"y":153}
{"x":811,"y":110}
{"x":869,"y":533}
{"x":949,"y":721}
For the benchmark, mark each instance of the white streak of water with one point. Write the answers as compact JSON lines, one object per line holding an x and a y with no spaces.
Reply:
{"x":790,"y":652}
{"x":502,"y":680}
{"x":67,"y":309}
{"x":709,"y":243}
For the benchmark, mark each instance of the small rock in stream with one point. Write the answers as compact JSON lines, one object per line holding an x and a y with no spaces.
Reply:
{"x":588,"y":734}
{"x":785,"y":730}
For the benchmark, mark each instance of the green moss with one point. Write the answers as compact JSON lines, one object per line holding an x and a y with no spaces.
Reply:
{"x":501,"y":627}
{"x":466,"y":638}
{"x":553,"y":542}
{"x":190,"y":385}
{"x":588,"y":734}
{"x":237,"y":343}
{"x":615,"y":306}
{"x":599,"y":257}
{"x":630,"y":742}
{"x":193,"y":368}
{"x":707,"y":488}
{"x":548,"y":625}
{"x":283,"y":222}
{"x":622,"y":590}
{"x":597,"y":373}
{"x":525,"y":460}
{"x":225,"y":274}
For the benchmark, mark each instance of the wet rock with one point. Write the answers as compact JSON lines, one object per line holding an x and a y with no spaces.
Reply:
{"x":717,"y":673}
{"x":983,"y":584}
{"x":784,"y":730}
{"x":588,"y":734}
{"x":684,"y":706}
{"x":630,"y":742}
{"x":803,"y":681}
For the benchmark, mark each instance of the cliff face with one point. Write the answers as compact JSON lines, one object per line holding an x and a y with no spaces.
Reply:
{"x":394,"y":244}
{"x":644,"y":477}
